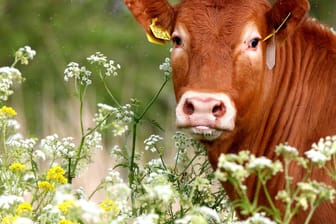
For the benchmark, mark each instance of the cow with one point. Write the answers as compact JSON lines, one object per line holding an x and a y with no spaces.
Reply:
{"x":249,"y":75}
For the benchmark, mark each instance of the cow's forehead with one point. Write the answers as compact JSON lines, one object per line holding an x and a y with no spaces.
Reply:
{"x":220,"y":17}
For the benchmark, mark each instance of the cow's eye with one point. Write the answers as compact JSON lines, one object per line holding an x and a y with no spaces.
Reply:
{"x":177,"y":41}
{"x":254,"y":43}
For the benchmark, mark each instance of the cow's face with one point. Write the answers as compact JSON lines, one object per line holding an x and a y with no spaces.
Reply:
{"x":218,"y":66}
{"x":218,"y":58}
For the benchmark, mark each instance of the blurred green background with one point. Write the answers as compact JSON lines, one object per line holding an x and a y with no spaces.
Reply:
{"x":62,"y":31}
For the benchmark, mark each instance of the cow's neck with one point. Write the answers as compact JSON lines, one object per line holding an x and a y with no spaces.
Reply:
{"x":288,"y":113}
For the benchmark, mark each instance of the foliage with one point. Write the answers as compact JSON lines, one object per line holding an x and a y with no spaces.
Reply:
{"x":36,"y":175}
{"x":64,"y":30}
{"x":307,"y":194}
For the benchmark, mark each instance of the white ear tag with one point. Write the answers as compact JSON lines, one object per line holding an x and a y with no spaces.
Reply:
{"x":270,"y":53}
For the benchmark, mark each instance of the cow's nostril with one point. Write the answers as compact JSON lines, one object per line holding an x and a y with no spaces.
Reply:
{"x":188,"y":108}
{"x":219,"y":110}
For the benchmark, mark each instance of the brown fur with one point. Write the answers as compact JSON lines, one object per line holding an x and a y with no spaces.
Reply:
{"x":292,"y":103}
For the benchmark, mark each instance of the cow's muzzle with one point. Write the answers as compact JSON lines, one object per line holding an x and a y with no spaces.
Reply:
{"x":205,"y":115}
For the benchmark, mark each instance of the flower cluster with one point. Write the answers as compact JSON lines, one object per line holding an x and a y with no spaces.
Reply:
{"x":8,"y":77}
{"x":25,"y":54}
{"x":36,"y":176}
{"x":80,"y":74}
{"x":237,"y":167}
{"x":308,"y":194}
{"x":119,"y":118}
{"x":109,"y":65}
{"x":257,"y":218}
{"x":151,"y":142}
{"x":55,"y":147}
{"x":166,"y":67}
{"x":323,"y":151}
{"x":97,"y":58}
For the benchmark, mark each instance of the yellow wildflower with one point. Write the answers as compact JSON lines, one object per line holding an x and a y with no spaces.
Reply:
{"x":64,"y":221}
{"x":109,"y":206}
{"x":66,"y":206}
{"x":9,"y":219}
{"x":56,"y":173}
{"x":7,"y":111}
{"x":24,"y":208}
{"x":45,"y":186}
{"x":17,"y":167}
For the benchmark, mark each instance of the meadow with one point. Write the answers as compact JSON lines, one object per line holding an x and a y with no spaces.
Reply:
{"x":87,"y":127}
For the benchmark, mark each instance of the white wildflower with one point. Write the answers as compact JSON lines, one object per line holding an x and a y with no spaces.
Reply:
{"x":287,"y":151}
{"x":150,"y":143}
{"x":259,"y":163}
{"x":94,"y":140}
{"x":120,"y":193}
{"x":116,"y":152}
{"x":13,"y":139}
{"x":98,"y":58}
{"x":90,"y":211}
{"x":156,"y":163}
{"x":231,"y":167}
{"x":13,"y":124}
{"x":111,"y":68}
{"x":209,"y":213}
{"x":121,"y":117}
{"x":257,"y":218}
{"x":166,"y":67}
{"x":146,"y":219}
{"x":120,"y":219}
{"x":52,"y":145}
{"x":10,"y":72}
{"x":8,"y":77}
{"x":63,"y":194}
{"x":185,"y":220}
{"x":163,"y":193}
{"x":24,"y":54}
{"x":81,"y":74}
{"x":119,"y":128}
{"x":317,"y":157}
{"x":23,"y":143}
{"x":23,"y":220}
{"x":113,"y":177}
{"x":7,"y":200}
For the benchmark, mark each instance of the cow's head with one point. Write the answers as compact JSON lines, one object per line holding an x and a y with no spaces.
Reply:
{"x":219,"y":56}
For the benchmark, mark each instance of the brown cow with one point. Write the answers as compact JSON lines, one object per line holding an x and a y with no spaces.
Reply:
{"x":236,"y":89}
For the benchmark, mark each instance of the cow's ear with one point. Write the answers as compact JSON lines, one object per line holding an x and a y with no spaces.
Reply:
{"x":286,"y":15}
{"x":157,"y":17}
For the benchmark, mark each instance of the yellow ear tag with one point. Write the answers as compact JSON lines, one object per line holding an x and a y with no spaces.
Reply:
{"x":153,"y":40}
{"x":160,"y":34}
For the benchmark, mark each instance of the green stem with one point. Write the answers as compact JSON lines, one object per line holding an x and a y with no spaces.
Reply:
{"x":81,"y":97}
{"x":78,"y":156}
{"x":109,"y":92}
{"x":4,"y":145}
{"x":99,"y":187}
{"x":270,"y":201}
{"x":256,"y":195}
{"x":69,"y":171}
{"x":134,"y":139}
{"x":310,"y":215}
{"x":153,"y":99}
{"x":132,"y":163}
{"x":14,"y":63}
